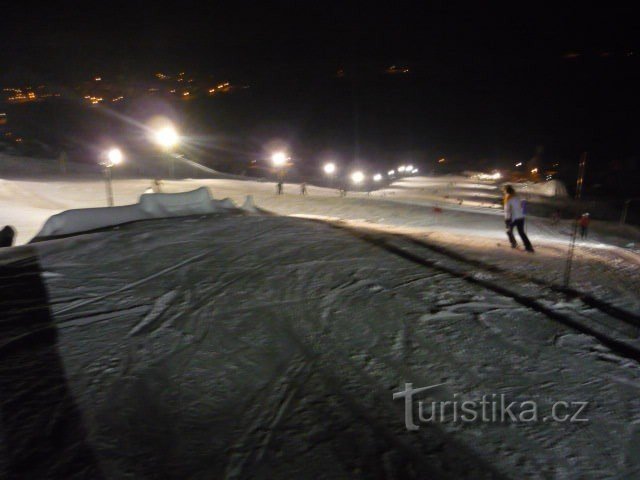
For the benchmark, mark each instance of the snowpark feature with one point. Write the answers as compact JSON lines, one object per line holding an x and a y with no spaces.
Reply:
{"x":224,"y":344}
{"x":151,"y":205}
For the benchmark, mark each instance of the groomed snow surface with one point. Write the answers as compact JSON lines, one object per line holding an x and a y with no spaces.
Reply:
{"x":234,"y":345}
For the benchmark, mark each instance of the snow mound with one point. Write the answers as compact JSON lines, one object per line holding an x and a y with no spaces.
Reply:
{"x":175,"y":204}
{"x":550,"y":188}
{"x":151,"y":205}
{"x":249,"y":205}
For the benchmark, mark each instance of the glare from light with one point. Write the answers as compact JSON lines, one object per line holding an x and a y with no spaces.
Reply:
{"x":535,"y":170}
{"x":279,"y":159}
{"x":357,"y":177}
{"x":442,"y":160}
{"x":391,"y":172}
{"x":114,"y":156}
{"x":414,"y":171}
{"x":519,"y":164}
{"x":330,"y":168}
{"x":409,"y":168}
{"x":166,"y":137}
{"x":401,"y":168}
{"x":377,"y":177}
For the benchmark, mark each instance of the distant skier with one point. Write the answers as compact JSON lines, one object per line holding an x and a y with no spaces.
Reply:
{"x":156,"y":187}
{"x":7,"y":234}
{"x":584,"y":225}
{"x":303,"y":188}
{"x":514,"y":217}
{"x":279,"y":188}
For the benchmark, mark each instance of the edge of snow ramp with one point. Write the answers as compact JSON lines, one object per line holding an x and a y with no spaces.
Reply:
{"x":152,"y":206}
{"x":42,"y":433}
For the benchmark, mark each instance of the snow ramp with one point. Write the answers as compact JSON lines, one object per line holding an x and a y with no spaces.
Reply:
{"x":151,"y":205}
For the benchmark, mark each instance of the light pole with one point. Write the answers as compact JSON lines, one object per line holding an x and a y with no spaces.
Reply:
{"x":114,"y":157}
{"x":572,"y":245}
{"x":279,"y":161}
{"x":167,"y":138}
{"x":625,"y":210}
{"x":330,"y":170}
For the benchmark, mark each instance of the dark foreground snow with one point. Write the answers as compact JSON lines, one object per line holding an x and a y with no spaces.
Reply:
{"x":233,"y":346}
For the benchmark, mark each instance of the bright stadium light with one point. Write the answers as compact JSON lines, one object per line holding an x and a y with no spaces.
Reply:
{"x":401,"y":168}
{"x":114,"y":156}
{"x":377,"y":177}
{"x":279,"y":159}
{"x":166,"y":137}
{"x":357,"y":177}
{"x":409,"y":168}
{"x":329,"y":168}
{"x":391,"y":172}
{"x":414,"y":171}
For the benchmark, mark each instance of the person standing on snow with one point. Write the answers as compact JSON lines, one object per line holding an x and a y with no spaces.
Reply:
{"x":584,"y":225}
{"x":303,"y":188}
{"x":7,"y":234}
{"x":279,"y":188}
{"x":514,"y":217}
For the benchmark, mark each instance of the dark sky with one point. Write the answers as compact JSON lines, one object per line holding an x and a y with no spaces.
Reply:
{"x":484,"y":82}
{"x":66,"y":36}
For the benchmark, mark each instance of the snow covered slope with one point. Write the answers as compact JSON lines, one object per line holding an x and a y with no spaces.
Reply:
{"x":232,"y":346}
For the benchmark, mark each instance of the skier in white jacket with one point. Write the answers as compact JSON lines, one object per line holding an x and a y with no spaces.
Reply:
{"x":514,"y":217}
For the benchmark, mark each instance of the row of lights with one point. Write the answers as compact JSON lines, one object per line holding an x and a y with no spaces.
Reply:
{"x":280,"y":159}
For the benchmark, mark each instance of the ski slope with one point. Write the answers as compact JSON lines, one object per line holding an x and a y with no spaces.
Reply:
{"x":247,"y":346}
{"x":235,"y":345}
{"x":608,"y":262}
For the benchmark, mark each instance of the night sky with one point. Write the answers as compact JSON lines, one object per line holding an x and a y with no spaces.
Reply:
{"x":486,"y":84}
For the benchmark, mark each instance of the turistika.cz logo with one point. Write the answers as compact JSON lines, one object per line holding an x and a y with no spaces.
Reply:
{"x":493,"y":408}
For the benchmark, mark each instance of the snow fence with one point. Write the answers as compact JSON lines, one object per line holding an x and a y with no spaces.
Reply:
{"x":151,"y":205}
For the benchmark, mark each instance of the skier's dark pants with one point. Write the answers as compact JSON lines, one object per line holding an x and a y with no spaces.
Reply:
{"x":519,"y":224}
{"x":583,"y":231}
